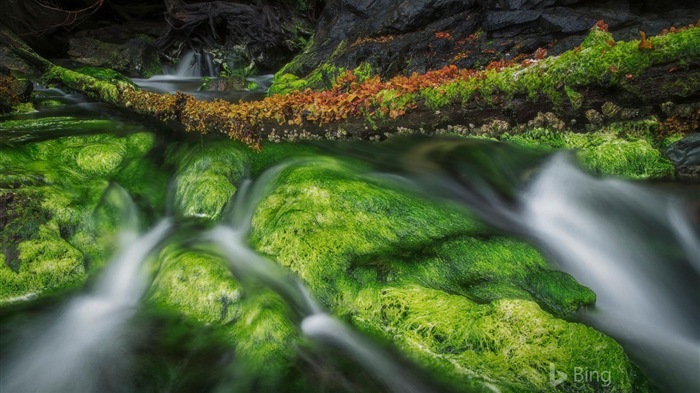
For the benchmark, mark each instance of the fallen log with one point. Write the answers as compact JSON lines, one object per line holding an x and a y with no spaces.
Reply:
{"x":624,"y":80}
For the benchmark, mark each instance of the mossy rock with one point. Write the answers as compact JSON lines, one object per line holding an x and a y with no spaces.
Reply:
{"x":509,"y":343}
{"x":52,"y":189}
{"x":45,"y":263}
{"x":627,"y":149}
{"x":100,"y":159}
{"x":198,"y":285}
{"x":326,"y":216}
{"x":461,"y":301}
{"x":206,"y":175}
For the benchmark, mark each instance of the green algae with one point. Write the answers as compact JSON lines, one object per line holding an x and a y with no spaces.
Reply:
{"x":57,"y":186}
{"x":626,"y":149}
{"x":489,"y":269}
{"x":198,"y":285}
{"x":325,"y":216}
{"x":206,"y":175}
{"x":101,"y":159}
{"x":45,"y":263}
{"x":468,"y":305}
{"x":507,"y":343}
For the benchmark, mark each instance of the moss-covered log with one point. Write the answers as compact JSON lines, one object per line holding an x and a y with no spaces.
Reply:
{"x":598,"y":81}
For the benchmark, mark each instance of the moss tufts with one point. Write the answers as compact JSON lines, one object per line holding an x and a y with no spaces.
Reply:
{"x":507,"y":343}
{"x":46,"y":263}
{"x":101,"y":159}
{"x":325,"y":216}
{"x":205,"y":176}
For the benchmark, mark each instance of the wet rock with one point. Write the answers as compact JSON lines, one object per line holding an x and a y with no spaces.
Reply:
{"x":685,"y":155}
{"x":136,"y":57}
{"x":13,"y":91}
{"x":401,"y":38}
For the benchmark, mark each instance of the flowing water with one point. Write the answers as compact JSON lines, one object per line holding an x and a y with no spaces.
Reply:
{"x":84,"y":346}
{"x":635,"y":245}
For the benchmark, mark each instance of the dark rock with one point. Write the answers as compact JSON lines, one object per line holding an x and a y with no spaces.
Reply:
{"x":401,"y":37}
{"x":13,"y":91}
{"x":136,"y":57}
{"x":685,"y":155}
{"x":502,"y":19}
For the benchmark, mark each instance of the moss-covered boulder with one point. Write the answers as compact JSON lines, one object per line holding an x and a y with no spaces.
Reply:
{"x":450,"y":293}
{"x":206,"y":175}
{"x":254,"y":322}
{"x":510,"y":344}
{"x":52,"y":191}
{"x":631,"y":149}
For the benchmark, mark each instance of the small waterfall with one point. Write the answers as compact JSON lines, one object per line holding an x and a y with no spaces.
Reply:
{"x":194,"y":64}
{"x":636,"y":250}
{"x":316,"y":324}
{"x":84,"y":348}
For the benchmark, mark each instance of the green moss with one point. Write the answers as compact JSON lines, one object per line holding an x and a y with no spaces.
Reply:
{"x":205,"y":176}
{"x":49,"y":103}
{"x":285,"y":83}
{"x":626,"y":149}
{"x":507,"y":343}
{"x":632,"y":159}
{"x":199,"y":286}
{"x":322,"y":78}
{"x":106,"y":91}
{"x":598,"y":61}
{"x":106,"y":74}
{"x":486,"y":270}
{"x":325,"y":216}
{"x":46,"y":263}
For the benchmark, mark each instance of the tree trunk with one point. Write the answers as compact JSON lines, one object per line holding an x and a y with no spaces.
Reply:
{"x":292,"y":117}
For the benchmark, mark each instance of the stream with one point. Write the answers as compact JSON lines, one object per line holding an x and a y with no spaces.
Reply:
{"x":266,"y":322}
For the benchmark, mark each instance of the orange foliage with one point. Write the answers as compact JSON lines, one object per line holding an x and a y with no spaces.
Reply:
{"x":644,"y":43}
{"x":601,"y":25}
{"x":365,"y":40}
{"x":443,"y":35}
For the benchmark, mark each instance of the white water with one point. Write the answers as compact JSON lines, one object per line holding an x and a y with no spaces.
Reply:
{"x":193,"y":65}
{"x":84,"y":348}
{"x":324,"y":328}
{"x":637,"y":251}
